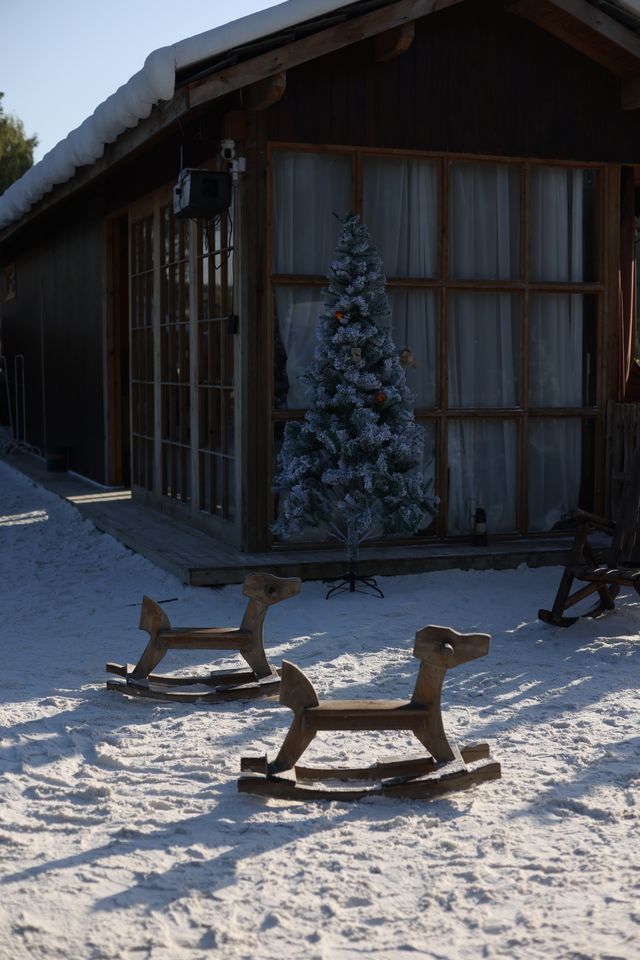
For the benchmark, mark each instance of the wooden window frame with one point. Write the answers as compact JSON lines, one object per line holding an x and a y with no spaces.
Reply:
{"x":441,"y":415}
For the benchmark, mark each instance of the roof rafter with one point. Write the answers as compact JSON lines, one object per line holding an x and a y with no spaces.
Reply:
{"x":587,"y":29}
{"x":316,"y":45}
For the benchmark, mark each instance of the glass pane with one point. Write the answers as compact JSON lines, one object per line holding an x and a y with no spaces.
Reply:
{"x":414,"y":319}
{"x":308,"y":189}
{"x":400,"y":204}
{"x":297,"y":311}
{"x":428,"y":465}
{"x":483,"y":349}
{"x":482,"y":473}
{"x":563,"y":219}
{"x":554,"y":471}
{"x":484,"y":221}
{"x":562,"y":350}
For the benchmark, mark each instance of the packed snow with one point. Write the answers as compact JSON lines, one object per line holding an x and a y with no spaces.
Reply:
{"x":123,"y":834}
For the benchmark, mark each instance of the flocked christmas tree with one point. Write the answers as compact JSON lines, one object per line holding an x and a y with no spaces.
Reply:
{"x":350,"y":467}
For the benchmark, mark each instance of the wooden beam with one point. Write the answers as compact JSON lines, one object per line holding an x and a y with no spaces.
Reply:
{"x":312,"y":47}
{"x":394,"y":42}
{"x":630,"y":93}
{"x":266,"y":92}
{"x":586,"y":29}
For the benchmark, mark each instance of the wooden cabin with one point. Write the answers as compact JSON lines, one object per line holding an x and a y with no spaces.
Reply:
{"x":492,"y":148}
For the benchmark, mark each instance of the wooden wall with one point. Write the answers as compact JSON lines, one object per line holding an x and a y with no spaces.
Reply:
{"x":476,"y":80}
{"x":56,"y":323}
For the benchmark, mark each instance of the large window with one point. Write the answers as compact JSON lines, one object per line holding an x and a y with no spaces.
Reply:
{"x":182,"y":359}
{"x":495,"y":282}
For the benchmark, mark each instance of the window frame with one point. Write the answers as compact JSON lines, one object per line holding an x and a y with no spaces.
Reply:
{"x":592,"y":416}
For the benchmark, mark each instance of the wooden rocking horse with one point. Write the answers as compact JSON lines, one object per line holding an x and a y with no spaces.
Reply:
{"x":621,"y":567}
{"x":445,"y":768}
{"x":263,"y":590}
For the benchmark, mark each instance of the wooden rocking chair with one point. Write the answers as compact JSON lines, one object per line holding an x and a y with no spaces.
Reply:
{"x":263,"y":590}
{"x":442,"y":769}
{"x":622,"y":564}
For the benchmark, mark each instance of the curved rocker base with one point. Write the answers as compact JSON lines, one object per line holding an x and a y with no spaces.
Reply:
{"x":389,"y":779}
{"x":417,"y":766}
{"x":227,"y":685}
{"x":547,"y":617}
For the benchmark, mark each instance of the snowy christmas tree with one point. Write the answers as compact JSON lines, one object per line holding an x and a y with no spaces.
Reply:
{"x":350,"y":467}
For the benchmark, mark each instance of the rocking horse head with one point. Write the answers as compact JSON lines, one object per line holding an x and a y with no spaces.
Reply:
{"x":446,"y":648}
{"x":268,"y":589}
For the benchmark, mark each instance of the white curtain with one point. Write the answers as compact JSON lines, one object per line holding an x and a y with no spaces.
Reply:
{"x":482,"y":473}
{"x":483,"y":343}
{"x":400,"y":207}
{"x":297,"y":311}
{"x":310,"y":190}
{"x":484,"y":221}
{"x":556,"y":322}
{"x":414,"y":318}
{"x":483,"y":349}
{"x":555,"y":456}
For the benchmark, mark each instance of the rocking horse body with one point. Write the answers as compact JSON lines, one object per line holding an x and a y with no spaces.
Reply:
{"x":439,"y":649}
{"x":263,"y":591}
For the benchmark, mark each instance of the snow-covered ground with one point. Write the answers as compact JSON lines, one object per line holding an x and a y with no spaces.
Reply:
{"x":122,"y":834}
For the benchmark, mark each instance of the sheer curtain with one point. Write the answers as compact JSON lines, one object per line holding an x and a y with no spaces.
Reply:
{"x":308,"y":189}
{"x":556,"y":336}
{"x":297,"y":311}
{"x":400,"y":207}
{"x":482,"y":472}
{"x":483,"y":342}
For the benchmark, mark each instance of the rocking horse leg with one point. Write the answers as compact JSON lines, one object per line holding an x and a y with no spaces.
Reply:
{"x":152,"y":619}
{"x":607,"y":596}
{"x":555,"y":615}
{"x":255,"y":656}
{"x":297,"y":693}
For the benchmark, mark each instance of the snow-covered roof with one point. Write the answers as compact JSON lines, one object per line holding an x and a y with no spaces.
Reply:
{"x":156,"y":82}
{"x":134,"y":100}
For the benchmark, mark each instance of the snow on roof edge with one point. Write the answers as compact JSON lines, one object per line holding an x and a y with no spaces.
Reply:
{"x":134,"y":100}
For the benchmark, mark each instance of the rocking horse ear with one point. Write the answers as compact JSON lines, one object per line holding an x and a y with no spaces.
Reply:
{"x":296,"y":690}
{"x":152,"y":616}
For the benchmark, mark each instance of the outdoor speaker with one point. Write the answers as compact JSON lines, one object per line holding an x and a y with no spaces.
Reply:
{"x":201,"y":194}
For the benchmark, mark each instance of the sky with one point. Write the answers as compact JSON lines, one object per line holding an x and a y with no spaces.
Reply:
{"x":59,"y":59}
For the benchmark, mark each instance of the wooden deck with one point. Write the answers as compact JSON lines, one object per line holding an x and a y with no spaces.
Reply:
{"x":198,"y":559}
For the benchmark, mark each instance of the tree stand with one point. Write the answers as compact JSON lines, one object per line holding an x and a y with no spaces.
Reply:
{"x":350,"y":583}
{"x":443,"y":769}
{"x":262,"y":680}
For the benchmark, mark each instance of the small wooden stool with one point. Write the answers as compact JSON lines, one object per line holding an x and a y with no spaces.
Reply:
{"x":445,"y":768}
{"x":263,"y":590}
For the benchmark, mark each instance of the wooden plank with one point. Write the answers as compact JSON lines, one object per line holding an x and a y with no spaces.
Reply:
{"x":265,"y":93}
{"x":399,"y":767}
{"x":312,"y":47}
{"x":394,"y":42}
{"x":286,"y":788}
{"x":585,"y":28}
{"x":364,"y":715}
{"x":630,"y":93}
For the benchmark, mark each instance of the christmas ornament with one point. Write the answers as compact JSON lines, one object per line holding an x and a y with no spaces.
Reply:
{"x":380,"y":397}
{"x":407,"y":358}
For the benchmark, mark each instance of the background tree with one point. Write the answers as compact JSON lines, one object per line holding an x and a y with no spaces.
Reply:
{"x":351,"y":466}
{"x":16,"y":149}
